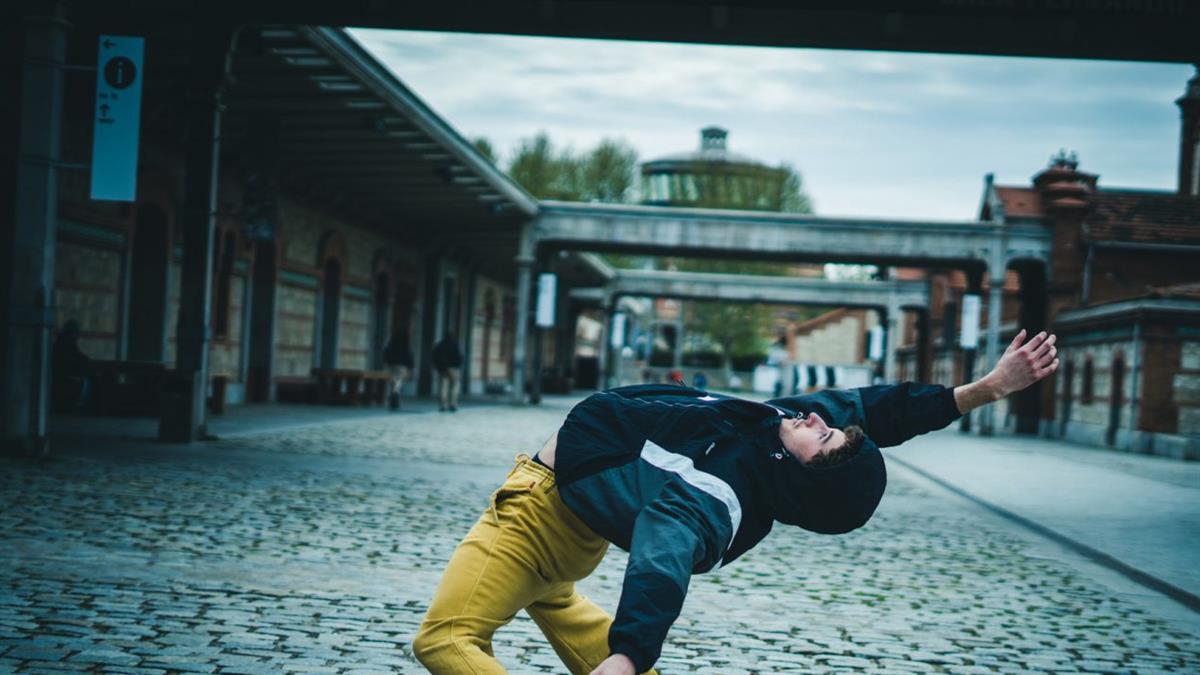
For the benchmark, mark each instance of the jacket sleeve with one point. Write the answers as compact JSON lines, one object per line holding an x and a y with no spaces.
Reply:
{"x":894,"y":413}
{"x":663,"y":553}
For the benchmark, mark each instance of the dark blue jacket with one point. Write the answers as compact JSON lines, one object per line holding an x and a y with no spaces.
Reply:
{"x":686,"y":481}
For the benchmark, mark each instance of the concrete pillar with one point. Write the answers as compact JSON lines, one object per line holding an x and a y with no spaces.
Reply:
{"x":525,"y":261}
{"x":924,"y":346}
{"x":987,"y":414}
{"x":29,"y":264}
{"x":891,"y":342}
{"x":470,"y":279}
{"x":606,"y":306}
{"x":184,"y":410}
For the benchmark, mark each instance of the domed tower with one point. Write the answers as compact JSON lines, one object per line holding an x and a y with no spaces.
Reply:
{"x":714,"y":177}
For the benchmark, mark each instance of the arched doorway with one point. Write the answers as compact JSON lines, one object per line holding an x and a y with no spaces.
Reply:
{"x":331,"y":296}
{"x":148,"y":285}
{"x":379,"y":312}
{"x":262,"y":323}
{"x":1116,"y":397}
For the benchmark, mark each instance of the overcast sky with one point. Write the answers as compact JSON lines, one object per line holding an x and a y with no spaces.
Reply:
{"x":873,"y":133}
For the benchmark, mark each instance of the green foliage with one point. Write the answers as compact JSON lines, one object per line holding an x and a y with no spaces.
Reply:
{"x":484,"y":146}
{"x":603,"y":174}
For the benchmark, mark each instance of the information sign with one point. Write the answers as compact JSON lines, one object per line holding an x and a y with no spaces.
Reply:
{"x":117,"y":118}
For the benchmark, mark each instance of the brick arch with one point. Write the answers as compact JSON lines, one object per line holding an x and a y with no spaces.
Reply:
{"x":331,"y":245}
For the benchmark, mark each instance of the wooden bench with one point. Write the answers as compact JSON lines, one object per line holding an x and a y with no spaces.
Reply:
{"x":296,"y":390}
{"x":346,"y":386}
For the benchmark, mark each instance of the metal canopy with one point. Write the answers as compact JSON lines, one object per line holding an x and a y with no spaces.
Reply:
{"x":1131,"y":30}
{"x":352,"y":137}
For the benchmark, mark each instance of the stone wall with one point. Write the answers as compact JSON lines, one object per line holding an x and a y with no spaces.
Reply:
{"x":1187,"y":388}
{"x":296,"y":306}
{"x":839,"y":341}
{"x":87,"y":289}
{"x":489,"y":326}
{"x":1087,"y":421}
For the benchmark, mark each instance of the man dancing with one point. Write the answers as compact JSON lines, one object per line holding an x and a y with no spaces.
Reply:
{"x":686,"y":482}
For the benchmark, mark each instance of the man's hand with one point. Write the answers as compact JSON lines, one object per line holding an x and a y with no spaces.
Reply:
{"x":1020,"y":366}
{"x":617,"y":664}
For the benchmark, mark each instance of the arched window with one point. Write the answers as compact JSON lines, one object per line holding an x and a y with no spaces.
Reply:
{"x":223,"y":281}
{"x":331,"y":296}
{"x":1086,"y":391}
{"x":1116,"y":396}
{"x":1068,"y":393}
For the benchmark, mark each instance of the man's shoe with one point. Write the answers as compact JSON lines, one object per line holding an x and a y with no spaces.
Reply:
{"x":453,"y":408}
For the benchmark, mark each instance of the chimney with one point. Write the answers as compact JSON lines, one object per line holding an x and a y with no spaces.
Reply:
{"x":1066,"y":195}
{"x":1189,"y":138}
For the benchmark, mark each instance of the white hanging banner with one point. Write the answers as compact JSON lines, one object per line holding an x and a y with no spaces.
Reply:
{"x":117,"y":118}
{"x":617,"y":339}
{"x":968,"y":338}
{"x":875,"y":346}
{"x":547,"y":288}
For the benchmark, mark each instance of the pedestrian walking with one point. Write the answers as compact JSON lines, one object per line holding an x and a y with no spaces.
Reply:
{"x":447,"y":360}
{"x":686,"y":482}
{"x":397,"y":355}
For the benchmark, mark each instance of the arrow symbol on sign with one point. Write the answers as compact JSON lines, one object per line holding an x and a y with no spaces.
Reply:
{"x":104,"y":110}
{"x":108,"y":44}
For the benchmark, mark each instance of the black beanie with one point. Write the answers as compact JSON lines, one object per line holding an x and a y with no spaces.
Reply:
{"x":826,"y":499}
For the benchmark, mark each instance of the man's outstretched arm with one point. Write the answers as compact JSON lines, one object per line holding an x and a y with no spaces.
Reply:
{"x":1019,"y":367}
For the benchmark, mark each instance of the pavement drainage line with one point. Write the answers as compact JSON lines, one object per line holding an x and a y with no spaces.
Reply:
{"x":1173,"y":592}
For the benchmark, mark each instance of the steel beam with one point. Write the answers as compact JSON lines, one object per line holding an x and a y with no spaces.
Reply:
{"x":766,"y":289}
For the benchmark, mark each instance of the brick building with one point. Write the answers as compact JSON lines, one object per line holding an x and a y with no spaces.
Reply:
{"x":340,"y":211}
{"x":1122,"y":292}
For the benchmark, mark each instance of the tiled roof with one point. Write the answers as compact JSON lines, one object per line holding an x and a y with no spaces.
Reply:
{"x":1020,"y":202}
{"x":1143,"y":216}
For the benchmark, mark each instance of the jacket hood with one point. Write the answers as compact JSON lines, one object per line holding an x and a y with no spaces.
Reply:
{"x":824,"y":499}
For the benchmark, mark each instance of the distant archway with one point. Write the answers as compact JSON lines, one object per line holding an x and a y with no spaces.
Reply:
{"x":148,"y":285}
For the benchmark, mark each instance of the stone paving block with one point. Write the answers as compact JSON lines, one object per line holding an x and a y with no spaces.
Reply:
{"x":105,"y":657}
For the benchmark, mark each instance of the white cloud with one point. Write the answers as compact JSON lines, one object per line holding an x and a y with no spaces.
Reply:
{"x":874,"y":133}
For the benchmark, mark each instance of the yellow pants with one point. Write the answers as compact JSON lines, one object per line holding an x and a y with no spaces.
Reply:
{"x":526,"y":552}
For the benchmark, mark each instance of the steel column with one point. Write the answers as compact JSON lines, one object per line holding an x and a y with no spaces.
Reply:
{"x":185,"y":412}
{"x":29,"y":287}
{"x":524,"y":260}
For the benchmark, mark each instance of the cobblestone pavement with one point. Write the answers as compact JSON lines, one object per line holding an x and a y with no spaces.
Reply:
{"x":317,"y":549}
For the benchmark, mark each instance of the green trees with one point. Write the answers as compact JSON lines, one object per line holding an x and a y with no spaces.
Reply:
{"x":603,"y":174}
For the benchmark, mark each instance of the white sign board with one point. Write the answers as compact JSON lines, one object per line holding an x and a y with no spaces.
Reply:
{"x":969,"y":336}
{"x":875,"y":346}
{"x":547,"y":287}
{"x":117,"y":118}
{"x":617,"y":339}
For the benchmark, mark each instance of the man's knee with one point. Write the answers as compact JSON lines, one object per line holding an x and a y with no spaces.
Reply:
{"x":428,"y":641}
{"x":440,"y":644}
